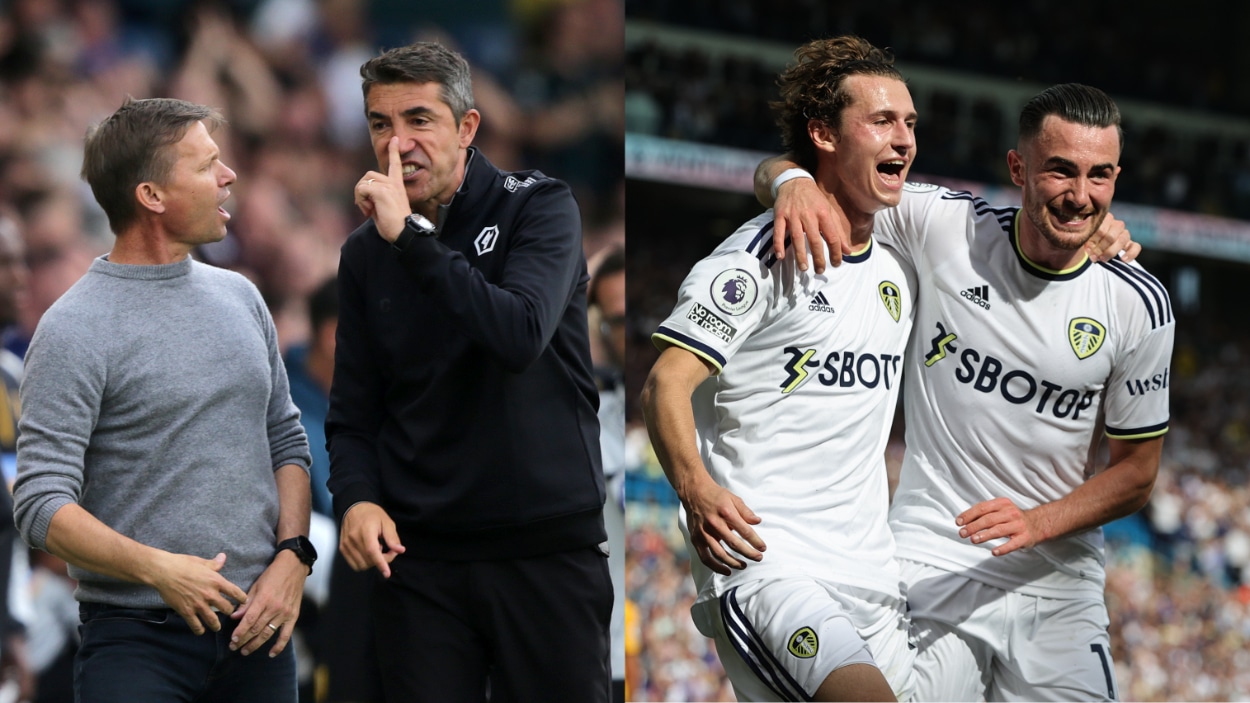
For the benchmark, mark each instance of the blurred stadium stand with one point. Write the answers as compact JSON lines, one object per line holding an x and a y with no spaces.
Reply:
{"x":698,"y":78}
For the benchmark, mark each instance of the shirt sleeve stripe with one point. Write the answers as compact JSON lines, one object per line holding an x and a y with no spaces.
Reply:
{"x":665,"y":336}
{"x":1152,"y":293}
{"x":1154,"y":286}
{"x":1137,"y":432}
{"x":766,"y":232}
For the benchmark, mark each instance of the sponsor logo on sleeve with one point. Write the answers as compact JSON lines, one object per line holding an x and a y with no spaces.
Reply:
{"x":1085,"y":336}
{"x":709,"y":321}
{"x":734,"y":291}
{"x":1142,"y":386}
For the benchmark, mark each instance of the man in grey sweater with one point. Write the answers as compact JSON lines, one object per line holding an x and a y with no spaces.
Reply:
{"x":160,"y":453}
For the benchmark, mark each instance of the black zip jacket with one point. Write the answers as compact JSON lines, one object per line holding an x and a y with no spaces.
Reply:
{"x":463,"y":400}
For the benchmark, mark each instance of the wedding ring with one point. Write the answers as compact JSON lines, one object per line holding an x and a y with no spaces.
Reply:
{"x":273,"y":627}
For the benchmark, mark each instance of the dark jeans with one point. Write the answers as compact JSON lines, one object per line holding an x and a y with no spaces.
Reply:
{"x":130,"y":654}
{"x":536,"y":628}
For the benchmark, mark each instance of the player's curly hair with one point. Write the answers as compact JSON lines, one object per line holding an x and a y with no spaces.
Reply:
{"x":811,"y":88}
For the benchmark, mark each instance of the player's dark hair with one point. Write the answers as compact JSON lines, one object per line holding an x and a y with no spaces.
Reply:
{"x":133,"y":146}
{"x":812,"y":88}
{"x":1070,"y":102}
{"x":423,"y":62}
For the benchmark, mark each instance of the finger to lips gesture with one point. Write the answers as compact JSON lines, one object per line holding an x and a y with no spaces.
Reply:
{"x":383,"y":197}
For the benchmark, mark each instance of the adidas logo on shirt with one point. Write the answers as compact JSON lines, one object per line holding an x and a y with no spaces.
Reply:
{"x":820,"y":304}
{"x":979,"y":295}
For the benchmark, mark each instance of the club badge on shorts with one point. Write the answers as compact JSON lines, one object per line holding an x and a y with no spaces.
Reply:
{"x":803,"y":643}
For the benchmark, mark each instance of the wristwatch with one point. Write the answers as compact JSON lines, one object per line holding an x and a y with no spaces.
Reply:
{"x":303,"y":548}
{"x":414,"y":226}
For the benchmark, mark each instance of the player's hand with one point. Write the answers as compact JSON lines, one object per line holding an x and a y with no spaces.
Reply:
{"x":272,"y":606}
{"x":997,"y":518}
{"x":805,"y":215}
{"x":718,"y":518}
{"x":382,"y":196}
{"x":366,"y":528}
{"x":193,"y":587}
{"x":1112,"y":238}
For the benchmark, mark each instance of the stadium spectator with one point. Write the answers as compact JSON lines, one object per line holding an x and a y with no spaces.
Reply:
{"x":154,"y":355}
{"x":53,"y":628}
{"x":15,"y":664}
{"x":464,"y":447}
{"x":341,"y":638}
{"x":606,"y":311}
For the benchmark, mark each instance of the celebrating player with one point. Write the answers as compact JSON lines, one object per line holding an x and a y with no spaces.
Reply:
{"x":754,"y":347}
{"x":1026,"y":352}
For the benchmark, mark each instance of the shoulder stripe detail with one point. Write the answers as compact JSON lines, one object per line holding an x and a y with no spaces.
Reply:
{"x":980,"y":206}
{"x":667,"y":335}
{"x":765,"y":233}
{"x":750,"y":646}
{"x":1152,"y":293}
{"x":1006,"y":216}
{"x":1137,"y":432}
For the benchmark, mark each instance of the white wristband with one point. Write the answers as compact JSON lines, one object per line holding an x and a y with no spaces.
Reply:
{"x":787,"y":175}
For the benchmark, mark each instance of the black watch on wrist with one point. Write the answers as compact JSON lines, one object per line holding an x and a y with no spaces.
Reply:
{"x":303,"y":548}
{"x":414,"y":226}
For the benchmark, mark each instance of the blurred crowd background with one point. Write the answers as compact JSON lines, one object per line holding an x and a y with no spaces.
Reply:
{"x":701,"y":72}
{"x":547,"y":77}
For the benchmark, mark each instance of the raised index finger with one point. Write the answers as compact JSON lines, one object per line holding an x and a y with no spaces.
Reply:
{"x":394,"y":169}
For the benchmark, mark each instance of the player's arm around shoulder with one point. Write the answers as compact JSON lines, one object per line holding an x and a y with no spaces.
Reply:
{"x":713,"y":514}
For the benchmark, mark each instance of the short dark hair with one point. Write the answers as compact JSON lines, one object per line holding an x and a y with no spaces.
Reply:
{"x":811,"y":88}
{"x":1070,"y":102}
{"x":423,"y":62}
{"x":612,"y":263}
{"x":132,"y":146}
{"x":323,"y":304}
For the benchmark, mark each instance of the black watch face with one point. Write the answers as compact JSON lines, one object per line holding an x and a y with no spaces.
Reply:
{"x":307,"y":550}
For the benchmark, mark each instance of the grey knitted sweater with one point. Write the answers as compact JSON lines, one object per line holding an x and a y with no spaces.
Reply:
{"x":155,"y":397}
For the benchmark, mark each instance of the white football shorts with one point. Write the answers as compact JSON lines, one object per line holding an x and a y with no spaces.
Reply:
{"x":975,"y":642}
{"x":779,"y":639}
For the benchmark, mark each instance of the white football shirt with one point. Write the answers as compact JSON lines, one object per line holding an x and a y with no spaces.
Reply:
{"x":796,"y":421}
{"x":1014,"y":374}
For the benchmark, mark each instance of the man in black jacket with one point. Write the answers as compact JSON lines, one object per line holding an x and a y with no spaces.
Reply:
{"x":464,"y":445}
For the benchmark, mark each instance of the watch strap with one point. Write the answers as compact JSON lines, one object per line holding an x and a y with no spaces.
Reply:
{"x":303,"y":549}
